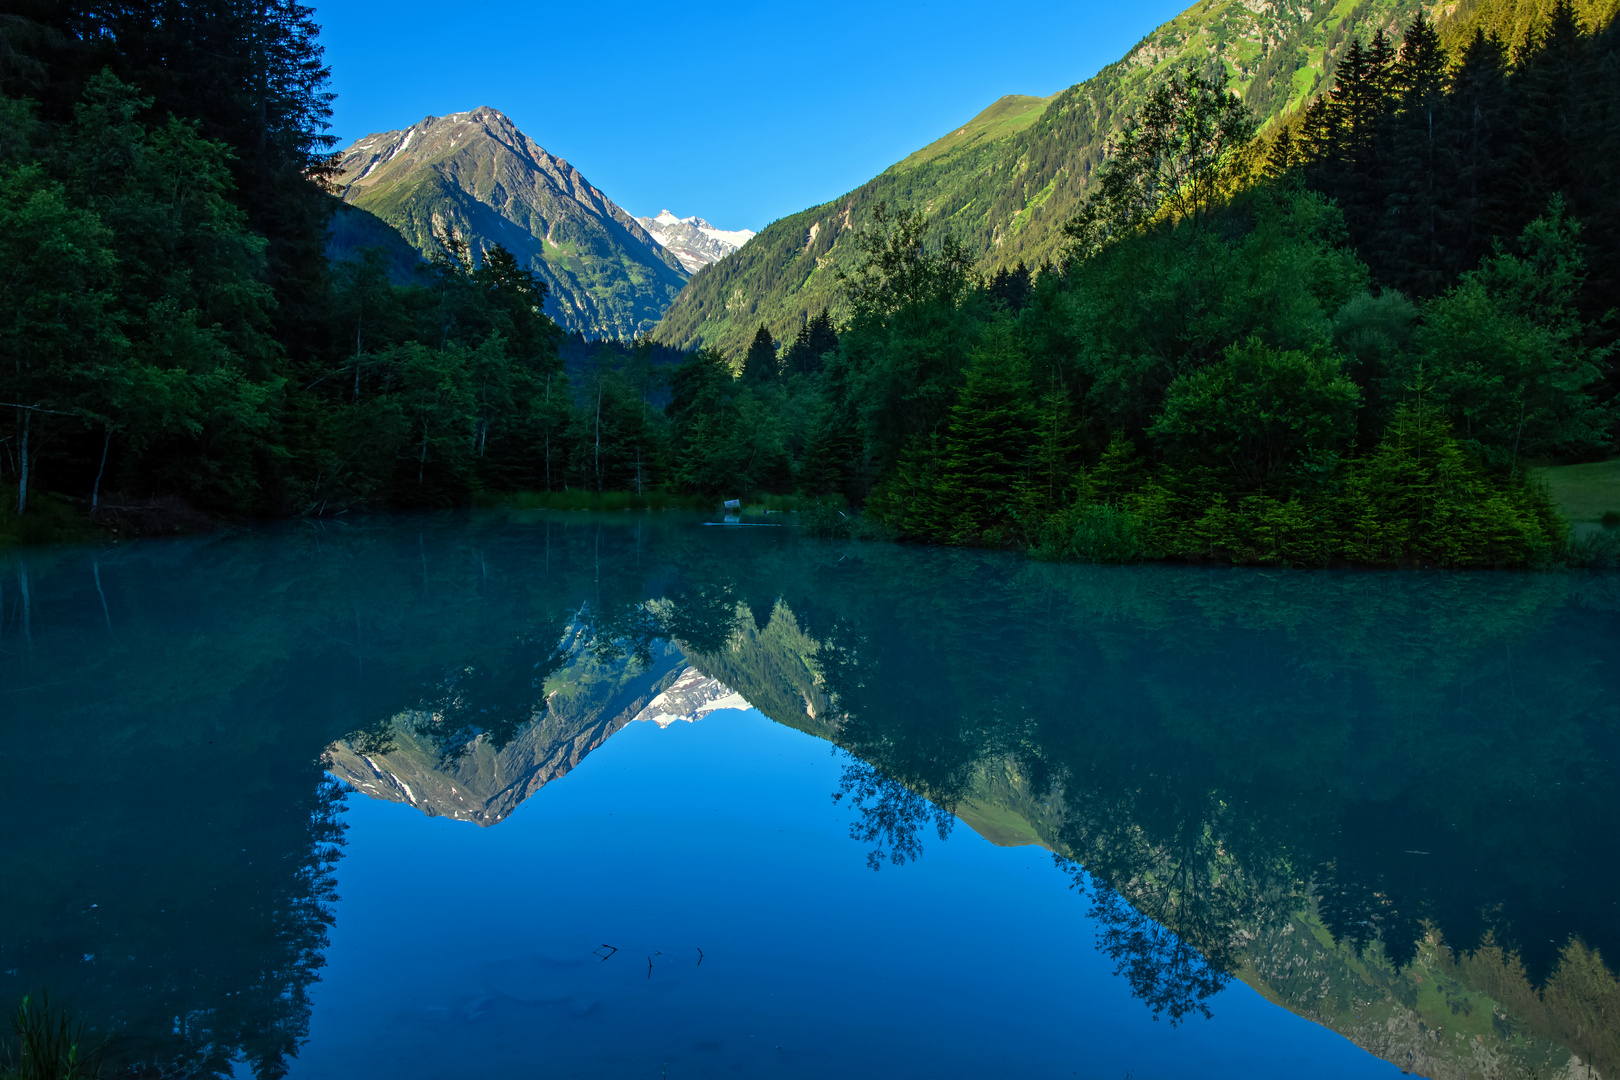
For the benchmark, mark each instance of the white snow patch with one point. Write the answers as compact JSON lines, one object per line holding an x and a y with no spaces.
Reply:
{"x":736,"y":238}
{"x":690,"y":698}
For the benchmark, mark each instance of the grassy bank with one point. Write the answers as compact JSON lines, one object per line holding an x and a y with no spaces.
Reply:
{"x":49,"y":520}
{"x":1584,"y":493}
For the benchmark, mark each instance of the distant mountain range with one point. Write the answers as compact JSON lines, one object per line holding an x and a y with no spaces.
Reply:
{"x":475,"y":174}
{"x":694,"y":241}
{"x":1006,"y":181}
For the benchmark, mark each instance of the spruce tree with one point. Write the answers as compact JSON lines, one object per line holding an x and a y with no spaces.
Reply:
{"x":1477,"y":123}
{"x":985,"y":493}
{"x":759,"y":364}
{"x":815,"y":339}
{"x":1419,"y":177}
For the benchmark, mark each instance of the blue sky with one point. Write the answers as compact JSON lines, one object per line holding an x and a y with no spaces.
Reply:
{"x":739,"y":112}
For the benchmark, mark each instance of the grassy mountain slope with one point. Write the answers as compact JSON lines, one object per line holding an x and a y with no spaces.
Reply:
{"x":478,"y":175}
{"x":1009,"y":115}
{"x":1005,"y":184}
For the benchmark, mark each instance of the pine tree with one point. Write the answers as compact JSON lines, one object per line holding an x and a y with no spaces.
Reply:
{"x":1410,"y":240}
{"x":1283,"y":157}
{"x":815,"y":339}
{"x":759,"y":365}
{"x":1554,"y":115}
{"x":1347,"y":151}
{"x":1478,"y":128}
{"x":984,"y":494}
{"x":1012,"y":287}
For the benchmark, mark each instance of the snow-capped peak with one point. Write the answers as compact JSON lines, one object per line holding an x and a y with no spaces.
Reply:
{"x":693,"y":241}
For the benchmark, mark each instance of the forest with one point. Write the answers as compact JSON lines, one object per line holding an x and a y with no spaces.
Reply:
{"x":1341,"y":340}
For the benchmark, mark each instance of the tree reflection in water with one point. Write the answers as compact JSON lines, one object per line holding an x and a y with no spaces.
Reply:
{"x":1349,"y":789}
{"x":1321,"y":783}
{"x":889,"y":815}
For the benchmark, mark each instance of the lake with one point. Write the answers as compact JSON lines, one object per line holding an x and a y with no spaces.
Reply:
{"x":641,"y":795}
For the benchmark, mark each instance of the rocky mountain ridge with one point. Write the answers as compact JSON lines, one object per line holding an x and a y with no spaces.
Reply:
{"x":478,"y":176}
{"x":484,"y":783}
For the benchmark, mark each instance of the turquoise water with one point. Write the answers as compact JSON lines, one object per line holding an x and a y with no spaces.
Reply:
{"x":564,"y":795}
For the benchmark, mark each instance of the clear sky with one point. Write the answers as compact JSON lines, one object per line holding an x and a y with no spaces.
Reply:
{"x":740,"y":112}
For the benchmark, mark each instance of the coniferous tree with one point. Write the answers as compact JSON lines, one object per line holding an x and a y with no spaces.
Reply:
{"x":1551,"y":121}
{"x":1283,"y":157}
{"x":1477,"y":121}
{"x":816,"y":338}
{"x":1012,"y":287}
{"x":1409,"y":239}
{"x":985,"y":482}
{"x":1346,"y":133}
{"x":759,"y":364}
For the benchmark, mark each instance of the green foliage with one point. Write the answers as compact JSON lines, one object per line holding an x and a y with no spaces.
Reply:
{"x":759,"y":364}
{"x":1178,"y":156}
{"x":985,"y":485}
{"x":1277,"y":364}
{"x":1594,"y":550}
{"x":825,"y":519}
{"x":1220,"y":381}
{"x":48,"y":520}
{"x":1274,"y":420}
{"x":1092,"y":532}
{"x":1507,"y":354}
{"x":1417,"y":500}
{"x":1173,"y":299}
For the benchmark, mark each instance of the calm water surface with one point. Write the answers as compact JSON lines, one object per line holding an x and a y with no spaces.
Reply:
{"x":638,"y":796}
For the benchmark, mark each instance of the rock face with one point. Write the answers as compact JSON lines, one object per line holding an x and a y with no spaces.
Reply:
{"x":693,"y":241}
{"x":475,"y":174}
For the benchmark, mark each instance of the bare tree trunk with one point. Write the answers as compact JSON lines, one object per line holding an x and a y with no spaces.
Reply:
{"x":599,"y":433}
{"x":95,"y":492}
{"x":421,"y":465}
{"x":22,"y":471}
{"x":357,"y":320}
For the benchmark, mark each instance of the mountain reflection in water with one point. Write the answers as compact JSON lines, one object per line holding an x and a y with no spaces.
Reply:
{"x":1385,"y":801}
